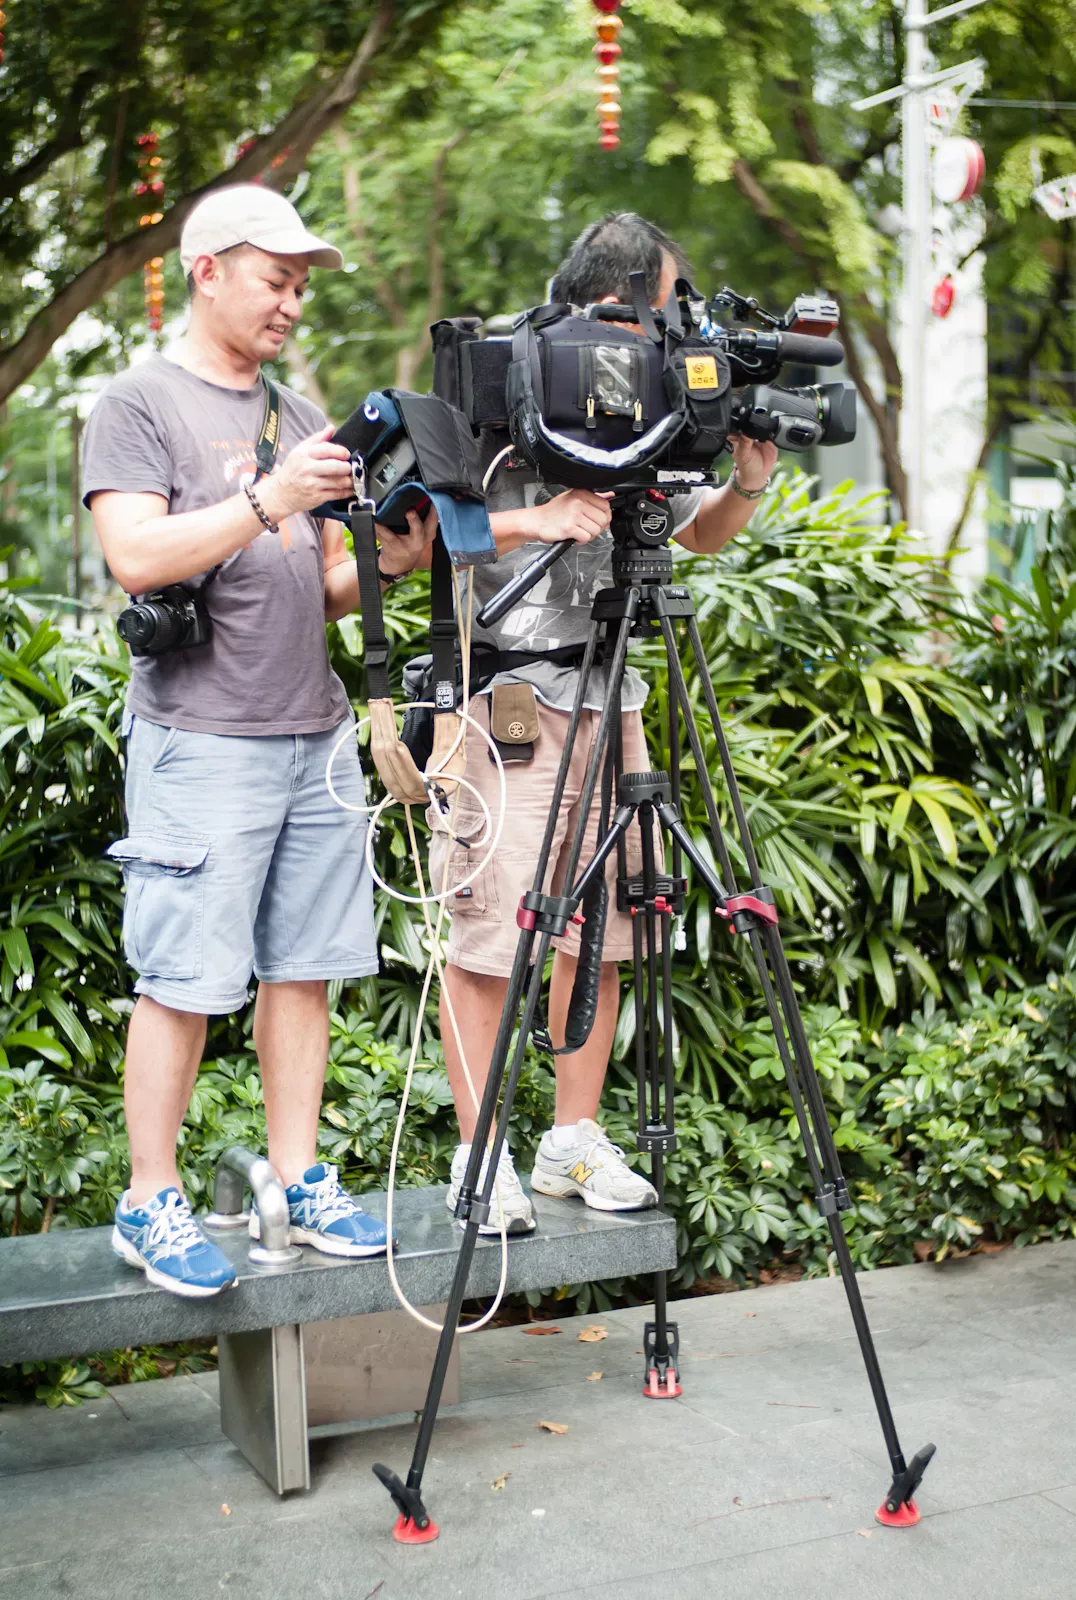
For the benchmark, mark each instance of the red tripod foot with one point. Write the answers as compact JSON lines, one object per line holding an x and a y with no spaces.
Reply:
{"x":898,"y":1509}
{"x":405,"y":1532}
{"x":662,"y":1388}
{"x":906,"y":1517}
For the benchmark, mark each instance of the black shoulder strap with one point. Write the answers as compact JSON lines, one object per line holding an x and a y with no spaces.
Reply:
{"x":373,"y":617}
{"x":442,"y":628}
{"x":643,"y":309}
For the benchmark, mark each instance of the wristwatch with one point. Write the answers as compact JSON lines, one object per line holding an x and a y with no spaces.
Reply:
{"x":746,"y":494}
{"x":390,"y":577}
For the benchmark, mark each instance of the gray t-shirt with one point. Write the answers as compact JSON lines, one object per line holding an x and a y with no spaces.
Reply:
{"x":556,"y":612}
{"x":159,"y":429}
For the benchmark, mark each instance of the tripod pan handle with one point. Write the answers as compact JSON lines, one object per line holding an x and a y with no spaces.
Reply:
{"x":506,"y":598}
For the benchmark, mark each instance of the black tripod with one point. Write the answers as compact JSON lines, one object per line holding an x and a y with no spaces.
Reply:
{"x":644,"y":599}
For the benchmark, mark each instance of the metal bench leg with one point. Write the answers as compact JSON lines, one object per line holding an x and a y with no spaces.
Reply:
{"x":263,"y":1403}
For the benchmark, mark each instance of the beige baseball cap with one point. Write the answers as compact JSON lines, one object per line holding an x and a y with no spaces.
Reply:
{"x":245,"y":213}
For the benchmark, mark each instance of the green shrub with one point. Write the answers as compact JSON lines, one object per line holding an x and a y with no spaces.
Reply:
{"x":915,"y":816}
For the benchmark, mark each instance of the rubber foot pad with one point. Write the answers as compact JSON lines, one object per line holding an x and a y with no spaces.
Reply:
{"x":405,"y":1532}
{"x":906,"y":1517}
{"x":656,"y":1390}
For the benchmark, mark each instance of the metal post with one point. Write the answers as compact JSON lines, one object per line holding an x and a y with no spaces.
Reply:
{"x":239,"y":1168}
{"x":916,"y":258}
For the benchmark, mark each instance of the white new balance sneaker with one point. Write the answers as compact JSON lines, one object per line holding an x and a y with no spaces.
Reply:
{"x":518,"y":1214}
{"x":593,"y":1168}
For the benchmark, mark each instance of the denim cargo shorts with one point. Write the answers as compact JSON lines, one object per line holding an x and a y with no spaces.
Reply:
{"x":238,"y":860}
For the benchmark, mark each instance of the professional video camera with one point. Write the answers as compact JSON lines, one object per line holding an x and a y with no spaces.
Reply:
{"x":588,"y":403}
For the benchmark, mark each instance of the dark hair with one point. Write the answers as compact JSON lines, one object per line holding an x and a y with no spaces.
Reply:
{"x":605,"y":253}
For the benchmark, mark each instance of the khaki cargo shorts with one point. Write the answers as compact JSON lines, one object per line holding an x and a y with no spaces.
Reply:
{"x":484,"y":934}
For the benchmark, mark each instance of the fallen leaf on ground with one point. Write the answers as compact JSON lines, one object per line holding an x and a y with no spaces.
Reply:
{"x":515,"y":1447}
{"x":499,"y":1483}
{"x":225,"y":1511}
{"x":554,"y":1427}
{"x":750,"y":1313}
{"x":592,"y":1377}
{"x":541,"y":1329}
{"x":923,"y":1249}
{"x":592,"y":1335}
{"x":521,"y":1361}
{"x":865,"y":1533}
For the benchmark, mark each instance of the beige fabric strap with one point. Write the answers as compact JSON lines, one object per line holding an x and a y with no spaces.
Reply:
{"x":447,"y":728}
{"x":392,"y":759}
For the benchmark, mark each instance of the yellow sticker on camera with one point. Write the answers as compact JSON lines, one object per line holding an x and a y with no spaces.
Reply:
{"x":701,"y":372}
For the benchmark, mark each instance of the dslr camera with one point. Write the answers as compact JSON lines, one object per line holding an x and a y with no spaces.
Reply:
{"x":173,"y":618}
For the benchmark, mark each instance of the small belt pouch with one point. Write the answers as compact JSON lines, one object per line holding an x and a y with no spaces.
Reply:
{"x":513,"y":721}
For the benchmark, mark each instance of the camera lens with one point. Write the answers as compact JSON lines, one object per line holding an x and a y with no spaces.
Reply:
{"x":150,"y":627}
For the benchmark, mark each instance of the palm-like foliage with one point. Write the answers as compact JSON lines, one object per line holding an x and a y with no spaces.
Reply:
{"x":909,"y":768}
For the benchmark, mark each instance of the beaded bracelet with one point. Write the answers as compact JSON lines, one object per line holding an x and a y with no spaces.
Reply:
{"x":267,"y":523}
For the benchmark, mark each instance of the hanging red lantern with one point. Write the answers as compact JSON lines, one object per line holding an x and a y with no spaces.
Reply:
{"x":153,"y":186}
{"x":608,"y":51}
{"x":941,"y":302}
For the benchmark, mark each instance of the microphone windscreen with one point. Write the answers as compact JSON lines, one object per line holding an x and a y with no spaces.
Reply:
{"x":811,"y":351}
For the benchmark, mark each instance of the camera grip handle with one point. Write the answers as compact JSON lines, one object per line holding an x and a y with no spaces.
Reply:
{"x":503,"y":601}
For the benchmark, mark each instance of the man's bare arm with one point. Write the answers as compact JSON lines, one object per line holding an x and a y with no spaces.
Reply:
{"x":724,"y":513}
{"x":146,"y":547}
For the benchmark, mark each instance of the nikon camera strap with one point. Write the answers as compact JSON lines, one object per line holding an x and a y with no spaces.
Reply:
{"x":264,"y":451}
{"x":269,"y":438}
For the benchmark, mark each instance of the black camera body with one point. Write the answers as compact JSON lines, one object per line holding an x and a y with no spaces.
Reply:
{"x":796,"y":419}
{"x":172,"y":618}
{"x":617,"y":397}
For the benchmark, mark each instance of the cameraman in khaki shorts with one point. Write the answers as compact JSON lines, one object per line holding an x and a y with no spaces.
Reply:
{"x":574,"y":1156}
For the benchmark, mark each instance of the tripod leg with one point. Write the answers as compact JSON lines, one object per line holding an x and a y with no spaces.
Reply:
{"x":414,"y":1526}
{"x":759,"y":922}
{"x":661,"y":1338}
{"x":540,"y":916}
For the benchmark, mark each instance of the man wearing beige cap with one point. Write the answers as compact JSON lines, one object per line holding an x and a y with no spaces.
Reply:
{"x":201,"y":477}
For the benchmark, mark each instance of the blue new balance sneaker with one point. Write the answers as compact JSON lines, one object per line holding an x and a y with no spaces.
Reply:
{"x":164,"y":1241}
{"x":324,"y":1216}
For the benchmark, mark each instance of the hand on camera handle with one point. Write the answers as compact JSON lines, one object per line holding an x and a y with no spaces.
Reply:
{"x":311,"y":473}
{"x":578,"y":515}
{"x":754,"y":460}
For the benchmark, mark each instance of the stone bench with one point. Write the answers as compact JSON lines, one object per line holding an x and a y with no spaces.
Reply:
{"x":66,"y":1294}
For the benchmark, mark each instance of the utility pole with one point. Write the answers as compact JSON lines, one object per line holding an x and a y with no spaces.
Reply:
{"x":916,"y":230}
{"x":76,"y":509}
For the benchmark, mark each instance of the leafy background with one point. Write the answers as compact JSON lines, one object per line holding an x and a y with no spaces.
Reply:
{"x":909,"y":762}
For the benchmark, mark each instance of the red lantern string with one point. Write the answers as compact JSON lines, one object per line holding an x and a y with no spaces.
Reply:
{"x":150,"y":189}
{"x":607,"y":50}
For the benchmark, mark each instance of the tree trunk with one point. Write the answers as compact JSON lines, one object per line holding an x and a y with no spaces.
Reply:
{"x":297,"y":132}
